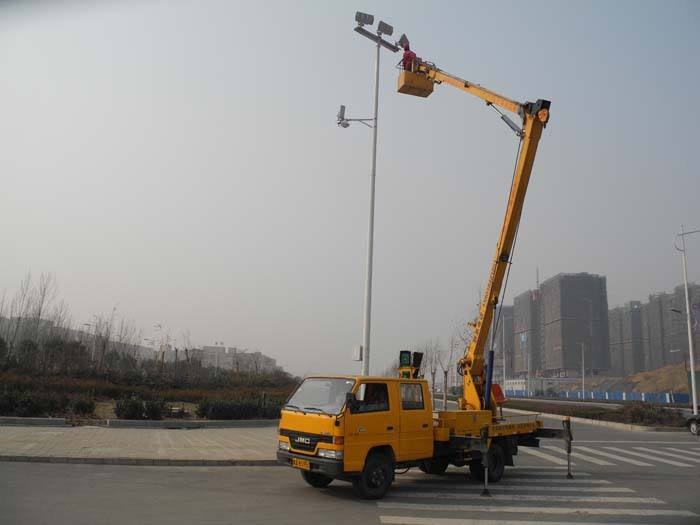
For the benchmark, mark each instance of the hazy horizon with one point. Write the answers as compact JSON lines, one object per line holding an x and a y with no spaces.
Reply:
{"x":183,"y":163}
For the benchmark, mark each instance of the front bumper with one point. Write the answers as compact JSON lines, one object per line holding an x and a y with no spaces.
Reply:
{"x":330,"y":467}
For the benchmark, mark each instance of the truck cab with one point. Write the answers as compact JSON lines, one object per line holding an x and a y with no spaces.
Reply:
{"x":356,"y":429}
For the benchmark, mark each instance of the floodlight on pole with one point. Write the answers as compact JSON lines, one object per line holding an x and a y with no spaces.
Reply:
{"x":385,"y":28}
{"x":364,"y":19}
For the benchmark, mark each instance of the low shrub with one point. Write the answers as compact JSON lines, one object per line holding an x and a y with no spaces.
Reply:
{"x":214,"y":408}
{"x":134,"y":407}
{"x":83,"y":406}
{"x":154,"y":409}
{"x":31,"y":404}
{"x":129,"y":408}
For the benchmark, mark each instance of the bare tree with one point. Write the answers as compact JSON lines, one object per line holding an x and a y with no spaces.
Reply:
{"x":446,"y":364}
{"x":41,"y":298}
{"x":431,"y":350}
{"x":19,"y":309}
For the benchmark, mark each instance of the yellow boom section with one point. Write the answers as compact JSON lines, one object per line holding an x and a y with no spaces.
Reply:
{"x":535,"y":115}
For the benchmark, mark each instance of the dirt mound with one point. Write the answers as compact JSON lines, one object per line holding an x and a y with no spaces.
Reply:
{"x":670,"y":378}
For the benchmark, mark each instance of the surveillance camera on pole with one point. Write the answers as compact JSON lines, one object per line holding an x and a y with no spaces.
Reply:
{"x":345,"y":122}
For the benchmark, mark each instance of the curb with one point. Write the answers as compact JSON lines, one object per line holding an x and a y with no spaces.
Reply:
{"x":155,"y":462}
{"x":133,"y":423}
{"x":33,"y":421}
{"x":191,"y":424}
{"x":599,"y":423}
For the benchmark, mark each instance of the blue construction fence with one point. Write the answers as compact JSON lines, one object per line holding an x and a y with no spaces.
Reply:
{"x":668,"y":398}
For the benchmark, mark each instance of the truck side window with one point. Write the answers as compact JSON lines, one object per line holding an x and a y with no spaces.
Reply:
{"x":373,"y":397}
{"x":411,"y":396}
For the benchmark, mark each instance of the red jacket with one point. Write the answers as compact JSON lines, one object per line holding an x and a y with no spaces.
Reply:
{"x":408,"y":58}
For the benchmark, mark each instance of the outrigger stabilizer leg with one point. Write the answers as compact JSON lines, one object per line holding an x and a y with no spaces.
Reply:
{"x":568,"y":438}
{"x":485,"y":459}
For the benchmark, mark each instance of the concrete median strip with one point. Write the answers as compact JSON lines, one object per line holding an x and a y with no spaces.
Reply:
{"x":254,"y":446}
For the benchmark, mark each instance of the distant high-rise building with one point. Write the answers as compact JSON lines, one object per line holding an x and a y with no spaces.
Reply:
{"x":617,"y":354}
{"x":526,"y":327}
{"x":632,"y":340}
{"x":503,"y":341}
{"x":574,"y":321}
{"x":664,"y":326}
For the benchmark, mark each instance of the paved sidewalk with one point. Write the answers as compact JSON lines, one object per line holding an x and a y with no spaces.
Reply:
{"x":229,"y":446}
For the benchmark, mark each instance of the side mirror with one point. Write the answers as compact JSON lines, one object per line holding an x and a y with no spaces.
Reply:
{"x":351,"y":402}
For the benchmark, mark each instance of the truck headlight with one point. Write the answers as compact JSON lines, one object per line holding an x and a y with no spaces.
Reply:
{"x":330,"y":454}
{"x":284,"y":445}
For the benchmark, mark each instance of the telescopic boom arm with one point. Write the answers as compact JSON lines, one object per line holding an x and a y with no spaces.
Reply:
{"x":419,"y":80}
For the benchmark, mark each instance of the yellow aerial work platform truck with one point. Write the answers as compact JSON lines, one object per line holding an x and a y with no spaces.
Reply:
{"x":362,"y":429}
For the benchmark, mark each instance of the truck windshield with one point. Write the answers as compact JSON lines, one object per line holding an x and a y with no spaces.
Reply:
{"x":316,"y":394}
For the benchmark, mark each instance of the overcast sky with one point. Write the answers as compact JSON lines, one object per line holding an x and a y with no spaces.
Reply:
{"x":180,"y":161}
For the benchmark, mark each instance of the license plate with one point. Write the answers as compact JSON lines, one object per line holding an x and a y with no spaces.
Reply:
{"x":301,"y":463}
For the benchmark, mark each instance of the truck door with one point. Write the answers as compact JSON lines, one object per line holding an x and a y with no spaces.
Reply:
{"x":416,"y":422}
{"x":375,"y":422}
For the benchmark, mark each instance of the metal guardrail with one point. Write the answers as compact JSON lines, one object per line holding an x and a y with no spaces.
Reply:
{"x":667,"y":398}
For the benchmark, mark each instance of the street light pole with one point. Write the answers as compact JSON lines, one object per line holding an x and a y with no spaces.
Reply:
{"x":691,"y":350}
{"x":383,"y":28}
{"x":583,"y":372}
{"x":370,"y":230}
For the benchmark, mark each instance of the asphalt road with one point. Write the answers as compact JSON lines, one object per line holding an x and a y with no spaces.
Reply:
{"x":621,"y":477}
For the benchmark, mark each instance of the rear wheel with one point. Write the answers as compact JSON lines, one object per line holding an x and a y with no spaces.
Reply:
{"x":435,"y":466}
{"x":694,"y":427}
{"x":315,"y":479}
{"x":376,"y":477}
{"x":497,"y":464}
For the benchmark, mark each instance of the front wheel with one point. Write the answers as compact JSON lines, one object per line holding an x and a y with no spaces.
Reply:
{"x":376,"y":477}
{"x":694,"y":427}
{"x":315,"y":479}
{"x":497,"y":464}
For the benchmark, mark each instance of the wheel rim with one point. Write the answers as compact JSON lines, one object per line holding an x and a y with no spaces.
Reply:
{"x":694,"y":428}
{"x":376,"y":477}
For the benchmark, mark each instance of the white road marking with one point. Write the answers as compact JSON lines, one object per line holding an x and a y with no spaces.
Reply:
{"x":613,"y":456}
{"x":580,"y":511}
{"x":669,"y":454}
{"x":527,"y":497}
{"x":540,"y":454}
{"x":583,"y":457}
{"x":411,"y":520}
{"x":514,"y":488}
{"x":546,"y":474}
{"x":509,"y":471}
{"x":530,"y":467}
{"x":646,"y":442}
{"x":684,"y":451}
{"x":646,"y":456}
{"x":535,"y":481}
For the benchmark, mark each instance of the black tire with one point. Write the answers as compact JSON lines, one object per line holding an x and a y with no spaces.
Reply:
{"x":315,"y":479}
{"x":497,"y":465}
{"x":376,"y":477}
{"x":694,"y":427}
{"x":436,"y":466}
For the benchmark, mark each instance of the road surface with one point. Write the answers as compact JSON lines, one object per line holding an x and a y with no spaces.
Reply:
{"x":621,"y":477}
